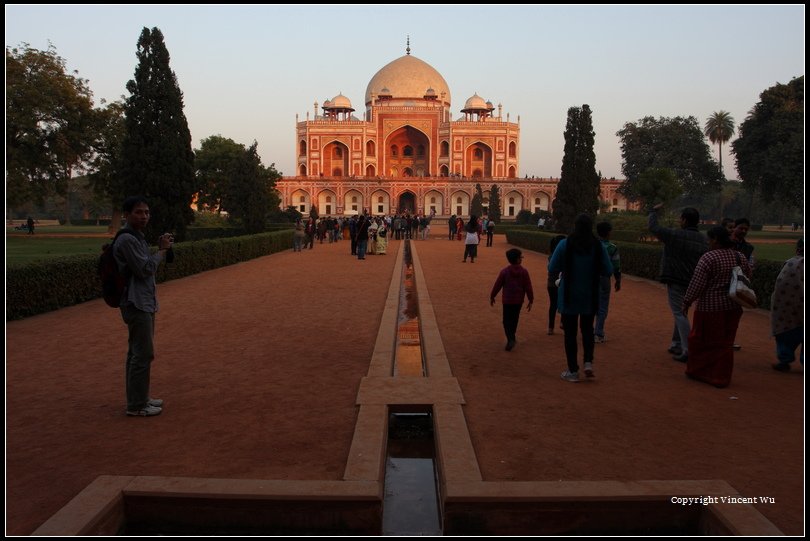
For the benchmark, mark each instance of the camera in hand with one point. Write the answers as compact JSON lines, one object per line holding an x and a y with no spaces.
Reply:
{"x":170,"y":250}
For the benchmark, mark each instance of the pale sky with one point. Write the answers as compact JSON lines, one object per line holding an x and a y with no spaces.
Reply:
{"x":245,"y":71}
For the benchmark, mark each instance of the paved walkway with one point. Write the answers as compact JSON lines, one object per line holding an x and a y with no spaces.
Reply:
{"x":260,"y":364}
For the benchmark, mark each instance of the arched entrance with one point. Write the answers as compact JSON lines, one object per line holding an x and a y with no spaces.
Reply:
{"x":336,"y":159}
{"x":541,"y":202}
{"x":327,"y":203}
{"x":379,"y":203}
{"x":460,"y":204}
{"x":512,"y":203}
{"x":407,"y":203}
{"x":408,"y":150}
{"x":301,"y":201}
{"x":434,"y":202}
{"x":478,"y":158}
{"x":353,"y":202}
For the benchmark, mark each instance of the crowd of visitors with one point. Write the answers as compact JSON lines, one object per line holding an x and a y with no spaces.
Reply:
{"x":584,"y":269}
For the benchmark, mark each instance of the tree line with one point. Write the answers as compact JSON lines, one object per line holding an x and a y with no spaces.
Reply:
{"x":139,"y":145}
{"x":142,"y":145}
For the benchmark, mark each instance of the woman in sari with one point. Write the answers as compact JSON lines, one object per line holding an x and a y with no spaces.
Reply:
{"x":372,"y":236}
{"x":714,"y":325}
{"x":382,"y":237}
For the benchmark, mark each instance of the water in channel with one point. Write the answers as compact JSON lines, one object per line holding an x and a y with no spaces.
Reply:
{"x":409,"y":359}
{"x":411,"y":502}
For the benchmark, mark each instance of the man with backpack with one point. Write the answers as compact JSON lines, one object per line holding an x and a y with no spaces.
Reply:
{"x":139,"y":302}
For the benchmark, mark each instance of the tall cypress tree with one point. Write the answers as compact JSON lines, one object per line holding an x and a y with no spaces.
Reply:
{"x":477,"y":204}
{"x":578,"y":190}
{"x":494,"y":212}
{"x":157,"y":159}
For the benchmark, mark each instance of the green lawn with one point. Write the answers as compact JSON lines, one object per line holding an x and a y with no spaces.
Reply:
{"x":775,"y":234}
{"x":78,"y":229}
{"x":774,"y":252}
{"x":29,"y":248}
{"x":22,"y":248}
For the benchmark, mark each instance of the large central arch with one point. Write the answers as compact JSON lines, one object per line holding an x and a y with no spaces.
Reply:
{"x":406,"y":203}
{"x":407,"y":148}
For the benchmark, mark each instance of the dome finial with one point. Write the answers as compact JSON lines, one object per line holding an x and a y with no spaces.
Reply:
{"x":408,"y":47}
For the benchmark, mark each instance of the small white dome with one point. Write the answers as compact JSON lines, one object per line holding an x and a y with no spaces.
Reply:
{"x":475,"y":103}
{"x":341,"y":102}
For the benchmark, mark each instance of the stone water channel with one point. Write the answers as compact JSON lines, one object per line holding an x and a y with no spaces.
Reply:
{"x":411,"y":500}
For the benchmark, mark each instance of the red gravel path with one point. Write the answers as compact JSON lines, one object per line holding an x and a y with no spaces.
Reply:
{"x":259,"y":365}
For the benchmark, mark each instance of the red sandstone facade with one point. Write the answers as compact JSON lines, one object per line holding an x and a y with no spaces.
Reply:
{"x":408,"y":154}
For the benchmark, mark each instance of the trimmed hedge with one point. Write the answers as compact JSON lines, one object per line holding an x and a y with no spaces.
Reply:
{"x":224,"y":232}
{"x":89,"y":221}
{"x":47,"y":285}
{"x":644,"y":261}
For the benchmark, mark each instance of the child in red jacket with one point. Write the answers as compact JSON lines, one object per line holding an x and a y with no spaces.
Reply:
{"x":516,"y":284}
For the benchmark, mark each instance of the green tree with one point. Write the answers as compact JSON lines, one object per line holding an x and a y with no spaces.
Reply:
{"x":252,"y":194}
{"x":234,"y":180}
{"x":477,"y":204}
{"x":215,"y":161}
{"x":658,"y":185}
{"x":673,"y":143}
{"x":770,"y":149}
{"x":719,"y":128}
{"x":157,"y":160}
{"x":49,"y":125}
{"x":106,"y":163}
{"x":578,"y":189}
{"x":494,"y":204}
{"x":288,"y":215}
{"x":524,"y":217}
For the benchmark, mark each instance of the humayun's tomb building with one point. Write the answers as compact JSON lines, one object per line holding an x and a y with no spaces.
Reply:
{"x":407,"y":154}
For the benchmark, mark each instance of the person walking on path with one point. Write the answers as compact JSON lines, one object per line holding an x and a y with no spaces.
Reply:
{"x":309,"y":231}
{"x":490,"y":232}
{"x":516,"y":284}
{"x":551,"y":286}
{"x":581,"y":259}
{"x":717,"y":316}
{"x":382,"y":237}
{"x":30,"y":224}
{"x":139,"y":304}
{"x":362,"y":236}
{"x":787,"y":311}
{"x":472,"y":239}
{"x":682,"y":249}
{"x":603,"y":230}
{"x":298,"y":235}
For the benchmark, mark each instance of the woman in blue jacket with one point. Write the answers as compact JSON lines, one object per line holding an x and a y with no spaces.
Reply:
{"x":581,"y":259}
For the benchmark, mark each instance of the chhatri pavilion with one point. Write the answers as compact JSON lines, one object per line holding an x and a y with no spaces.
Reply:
{"x":408,"y":154}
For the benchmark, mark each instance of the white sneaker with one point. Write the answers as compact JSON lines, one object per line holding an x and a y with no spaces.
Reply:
{"x":146,"y":411}
{"x":573,"y":377}
{"x":156,"y":402}
{"x":589,"y":370}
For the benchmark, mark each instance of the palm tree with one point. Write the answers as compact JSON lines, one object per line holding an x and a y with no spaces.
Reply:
{"x":719,"y":129}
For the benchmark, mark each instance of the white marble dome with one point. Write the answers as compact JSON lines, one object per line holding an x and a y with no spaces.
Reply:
{"x":408,"y":77}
